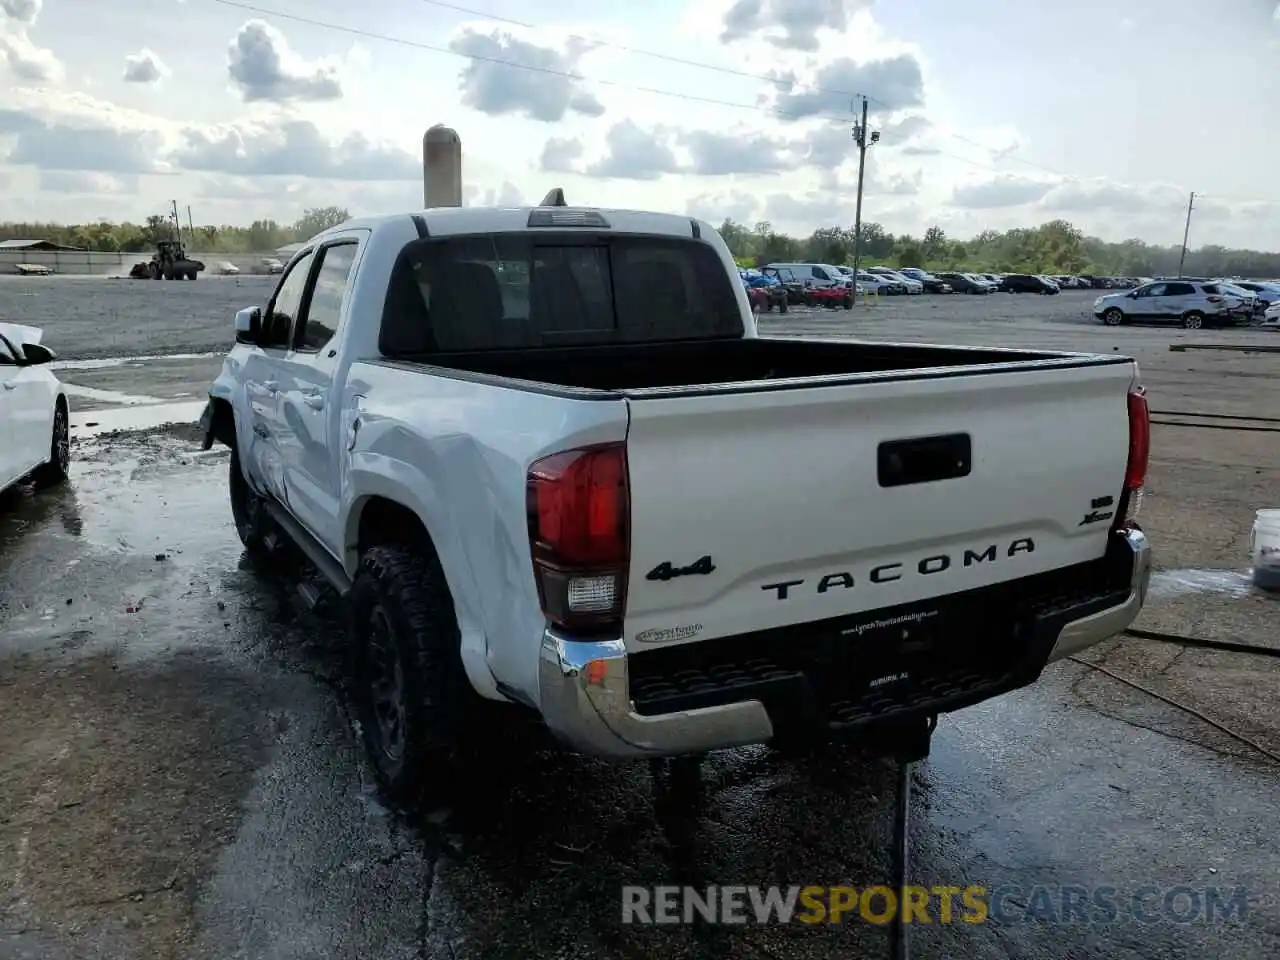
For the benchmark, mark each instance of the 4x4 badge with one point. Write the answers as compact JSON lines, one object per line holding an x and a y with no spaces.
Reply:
{"x":665,"y":571}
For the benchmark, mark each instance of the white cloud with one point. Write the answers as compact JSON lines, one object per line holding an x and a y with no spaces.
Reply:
{"x":25,"y":59}
{"x":83,"y":182}
{"x":144,"y":67}
{"x":789,"y":24}
{"x":262,"y":66}
{"x":293,"y":148}
{"x":546,"y":90}
{"x":999,"y":191}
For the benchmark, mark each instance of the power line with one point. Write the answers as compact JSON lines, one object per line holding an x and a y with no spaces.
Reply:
{"x":570,"y":75}
{"x":654,"y":91}
{"x":551,"y":71}
{"x":728,"y":71}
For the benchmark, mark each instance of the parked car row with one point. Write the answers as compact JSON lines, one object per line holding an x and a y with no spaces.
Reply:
{"x":779,"y":285}
{"x":813,"y":284}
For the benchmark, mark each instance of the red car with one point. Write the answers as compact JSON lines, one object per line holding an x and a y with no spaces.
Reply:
{"x":832,"y":296}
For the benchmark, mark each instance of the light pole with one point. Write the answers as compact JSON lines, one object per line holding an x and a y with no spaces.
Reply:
{"x":863,"y":139}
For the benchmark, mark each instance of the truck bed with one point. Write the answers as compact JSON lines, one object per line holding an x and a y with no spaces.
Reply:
{"x":698,"y":364}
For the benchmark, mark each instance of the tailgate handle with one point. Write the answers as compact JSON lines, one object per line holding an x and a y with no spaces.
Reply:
{"x":901,"y":463}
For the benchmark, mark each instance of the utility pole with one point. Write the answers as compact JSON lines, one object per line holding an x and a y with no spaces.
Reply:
{"x":191,"y":227}
{"x":1186,"y":232}
{"x":863,"y":140}
{"x":177,"y":223}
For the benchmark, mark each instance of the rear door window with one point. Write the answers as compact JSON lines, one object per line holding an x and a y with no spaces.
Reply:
{"x":1178,"y":290}
{"x":512,"y":291}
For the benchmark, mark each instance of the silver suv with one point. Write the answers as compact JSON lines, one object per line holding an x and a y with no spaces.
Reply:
{"x":1191,"y":304}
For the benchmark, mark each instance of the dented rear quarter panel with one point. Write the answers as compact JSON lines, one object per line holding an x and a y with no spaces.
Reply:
{"x":457,"y":453}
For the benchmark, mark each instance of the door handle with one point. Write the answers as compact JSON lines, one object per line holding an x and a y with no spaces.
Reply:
{"x":271,"y":386}
{"x":313,"y":400}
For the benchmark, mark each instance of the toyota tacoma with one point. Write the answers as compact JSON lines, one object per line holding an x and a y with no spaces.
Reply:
{"x":548,"y":461}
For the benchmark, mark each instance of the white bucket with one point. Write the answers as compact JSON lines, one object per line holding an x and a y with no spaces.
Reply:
{"x":1264,"y":546}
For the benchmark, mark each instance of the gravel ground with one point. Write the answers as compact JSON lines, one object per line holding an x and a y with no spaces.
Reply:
{"x":180,"y":778}
{"x":89,"y":317}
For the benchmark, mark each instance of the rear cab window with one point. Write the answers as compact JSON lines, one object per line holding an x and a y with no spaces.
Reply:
{"x":520,"y":290}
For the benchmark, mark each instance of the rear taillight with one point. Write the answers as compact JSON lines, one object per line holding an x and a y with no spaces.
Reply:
{"x":1135,"y":473}
{"x":579,"y":517}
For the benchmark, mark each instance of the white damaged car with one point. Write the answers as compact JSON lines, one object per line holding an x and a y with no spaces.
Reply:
{"x":1271,"y":318}
{"x":35,"y":435}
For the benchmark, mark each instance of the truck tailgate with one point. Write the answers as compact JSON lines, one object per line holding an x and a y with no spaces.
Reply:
{"x":816,"y":502}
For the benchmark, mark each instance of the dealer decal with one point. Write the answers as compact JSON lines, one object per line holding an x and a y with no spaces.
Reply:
{"x":667,"y":634}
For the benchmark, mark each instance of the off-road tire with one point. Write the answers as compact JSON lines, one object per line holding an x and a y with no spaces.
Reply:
{"x":56,"y":469}
{"x":782,"y":306}
{"x":1193,"y":320}
{"x":1113,"y":317}
{"x":248,"y":510}
{"x":404,"y":635}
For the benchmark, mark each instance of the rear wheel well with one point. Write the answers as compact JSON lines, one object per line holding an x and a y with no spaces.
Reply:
{"x":385,"y":522}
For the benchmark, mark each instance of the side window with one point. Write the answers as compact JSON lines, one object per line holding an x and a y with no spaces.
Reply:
{"x":818,"y":273}
{"x":1210,"y":288}
{"x":287,"y":301}
{"x":1178,"y":290}
{"x":1155,"y":290}
{"x":318,"y":326}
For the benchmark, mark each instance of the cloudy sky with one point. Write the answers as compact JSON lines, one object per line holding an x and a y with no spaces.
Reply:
{"x":993,"y":113}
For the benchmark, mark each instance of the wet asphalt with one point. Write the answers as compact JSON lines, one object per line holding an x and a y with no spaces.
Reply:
{"x":183,"y":778}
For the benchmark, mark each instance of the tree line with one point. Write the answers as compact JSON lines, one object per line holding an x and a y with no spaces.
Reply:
{"x":1056,"y":247}
{"x":261,"y":236}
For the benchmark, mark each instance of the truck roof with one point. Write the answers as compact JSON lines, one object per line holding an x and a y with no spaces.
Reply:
{"x":447,"y":221}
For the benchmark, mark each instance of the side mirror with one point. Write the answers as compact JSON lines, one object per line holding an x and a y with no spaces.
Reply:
{"x":249,"y":325}
{"x":35,"y":353}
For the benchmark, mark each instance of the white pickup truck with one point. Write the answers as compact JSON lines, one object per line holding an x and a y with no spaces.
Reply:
{"x":549,"y":461}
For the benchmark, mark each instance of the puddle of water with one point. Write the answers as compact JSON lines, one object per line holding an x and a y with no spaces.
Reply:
{"x":1182,"y":583}
{"x":88,"y":423}
{"x":111,"y":396}
{"x":121,"y":361}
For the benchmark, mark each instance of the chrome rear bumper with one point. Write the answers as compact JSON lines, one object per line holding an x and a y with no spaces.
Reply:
{"x":584,"y":691}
